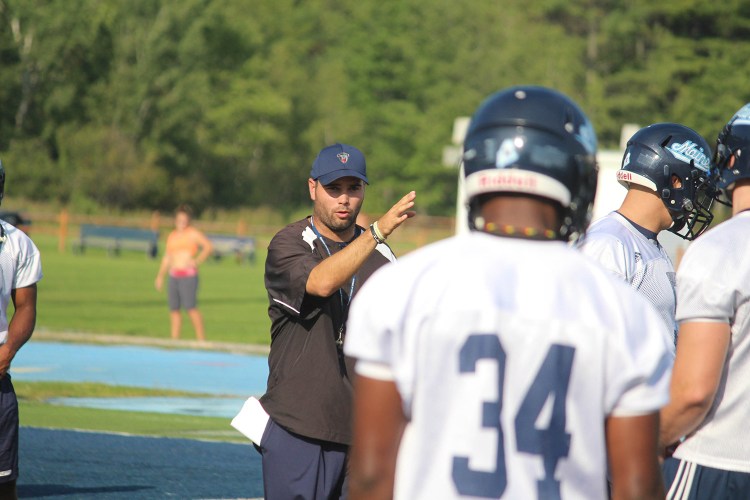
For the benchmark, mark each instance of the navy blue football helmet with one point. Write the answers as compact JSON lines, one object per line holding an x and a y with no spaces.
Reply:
{"x":733,"y":153}
{"x":655,"y":155}
{"x":536,"y":141}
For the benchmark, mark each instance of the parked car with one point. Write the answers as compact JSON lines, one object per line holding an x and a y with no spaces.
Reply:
{"x":16,"y":219}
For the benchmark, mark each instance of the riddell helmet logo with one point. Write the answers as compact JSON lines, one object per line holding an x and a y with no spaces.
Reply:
{"x":509,"y":179}
{"x":624,"y":176}
{"x":343,"y":157}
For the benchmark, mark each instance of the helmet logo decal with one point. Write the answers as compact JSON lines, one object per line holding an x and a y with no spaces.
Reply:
{"x":510,"y":179}
{"x":343,"y":157}
{"x":587,"y":137}
{"x":743,"y":114}
{"x":626,"y":160}
{"x":688,"y":151}
{"x":624,"y":175}
{"x":506,"y":154}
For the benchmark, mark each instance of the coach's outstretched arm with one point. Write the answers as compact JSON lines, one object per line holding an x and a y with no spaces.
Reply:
{"x":332,"y":273}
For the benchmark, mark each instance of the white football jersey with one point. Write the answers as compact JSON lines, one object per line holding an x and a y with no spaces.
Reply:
{"x":713,"y":284}
{"x":508,"y":355}
{"x":642,"y":262}
{"x":20,"y":266}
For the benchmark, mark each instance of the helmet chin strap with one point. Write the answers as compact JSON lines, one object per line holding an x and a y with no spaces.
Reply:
{"x":677,"y":224}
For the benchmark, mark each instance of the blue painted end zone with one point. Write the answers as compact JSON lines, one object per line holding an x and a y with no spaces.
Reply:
{"x":187,"y":370}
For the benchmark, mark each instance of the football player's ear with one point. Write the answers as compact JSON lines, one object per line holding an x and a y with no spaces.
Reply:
{"x":676,"y":182}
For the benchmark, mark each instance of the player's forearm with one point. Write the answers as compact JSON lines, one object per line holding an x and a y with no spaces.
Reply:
{"x":680,"y":418}
{"x":22,"y":324}
{"x":632,"y":456}
{"x":699,"y":363}
{"x":640,"y":489}
{"x":20,"y":331}
{"x":372,"y":488}
{"x":373,"y":457}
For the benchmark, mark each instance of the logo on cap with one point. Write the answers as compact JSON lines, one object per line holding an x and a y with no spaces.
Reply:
{"x":343,"y":157}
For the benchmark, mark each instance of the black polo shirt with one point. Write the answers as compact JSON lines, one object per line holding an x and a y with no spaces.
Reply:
{"x":309,"y":391}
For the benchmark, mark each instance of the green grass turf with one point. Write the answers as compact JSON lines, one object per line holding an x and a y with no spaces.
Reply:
{"x":98,"y":293}
{"x":36,"y":412}
{"x":40,"y":391}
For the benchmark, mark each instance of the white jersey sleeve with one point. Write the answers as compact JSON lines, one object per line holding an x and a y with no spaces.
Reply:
{"x":608,"y":251}
{"x":706,"y":287}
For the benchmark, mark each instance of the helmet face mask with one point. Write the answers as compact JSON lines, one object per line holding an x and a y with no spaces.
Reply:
{"x":699,"y":216}
{"x":674,"y":161}
{"x":731,"y":159}
{"x":537,"y":142}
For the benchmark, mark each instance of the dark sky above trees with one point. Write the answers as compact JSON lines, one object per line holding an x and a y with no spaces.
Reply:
{"x":225,"y":103}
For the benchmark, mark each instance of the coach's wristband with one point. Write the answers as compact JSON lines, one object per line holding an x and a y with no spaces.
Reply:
{"x":376,"y":234}
{"x":378,"y":231}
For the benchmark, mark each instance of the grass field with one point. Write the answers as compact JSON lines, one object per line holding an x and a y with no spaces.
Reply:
{"x":98,"y":293}
{"x":102,"y":294}
{"x":36,"y":412}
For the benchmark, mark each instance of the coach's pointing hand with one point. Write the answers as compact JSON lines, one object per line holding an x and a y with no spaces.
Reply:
{"x":397,"y":214}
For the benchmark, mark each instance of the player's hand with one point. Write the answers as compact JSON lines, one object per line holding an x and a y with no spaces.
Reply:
{"x":397,"y":214}
{"x":6,"y":356}
{"x":669,"y":450}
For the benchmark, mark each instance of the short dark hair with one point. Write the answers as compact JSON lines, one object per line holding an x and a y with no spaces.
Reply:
{"x":185,"y":209}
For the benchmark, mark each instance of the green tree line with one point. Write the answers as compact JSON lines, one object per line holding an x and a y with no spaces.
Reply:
{"x":129,"y":104}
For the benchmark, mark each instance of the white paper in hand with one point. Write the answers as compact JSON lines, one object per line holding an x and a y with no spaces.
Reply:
{"x":251,"y":420}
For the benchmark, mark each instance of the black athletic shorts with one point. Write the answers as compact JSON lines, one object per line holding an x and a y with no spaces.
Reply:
{"x":8,"y":431}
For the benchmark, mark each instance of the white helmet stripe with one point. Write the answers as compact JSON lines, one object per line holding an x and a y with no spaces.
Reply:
{"x":517,"y":181}
{"x":626,"y":176}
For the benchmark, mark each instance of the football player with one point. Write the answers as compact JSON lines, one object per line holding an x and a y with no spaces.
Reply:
{"x":503,"y":363}
{"x":20,"y":270}
{"x":708,"y":404}
{"x":665,"y":168}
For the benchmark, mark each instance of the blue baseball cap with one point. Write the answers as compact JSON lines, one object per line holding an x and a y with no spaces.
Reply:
{"x":336,"y":161}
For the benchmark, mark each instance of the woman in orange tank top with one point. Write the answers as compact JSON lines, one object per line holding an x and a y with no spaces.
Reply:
{"x":187,"y":248}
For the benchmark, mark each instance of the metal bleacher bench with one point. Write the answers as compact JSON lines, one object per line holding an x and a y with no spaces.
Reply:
{"x":115,"y":238}
{"x":242,"y":247}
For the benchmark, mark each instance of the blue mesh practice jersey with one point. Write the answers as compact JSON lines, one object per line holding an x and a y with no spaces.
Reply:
{"x":640,"y":261}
